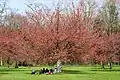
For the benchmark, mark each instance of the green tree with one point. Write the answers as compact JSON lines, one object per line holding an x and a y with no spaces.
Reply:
{"x":110,"y":16}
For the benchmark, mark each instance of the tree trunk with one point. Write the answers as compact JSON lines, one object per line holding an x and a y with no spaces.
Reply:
{"x":16,"y":64}
{"x":102,"y":65}
{"x":110,"y":65}
{"x":8,"y":66}
{"x":119,"y":59}
{"x":8,"y":62}
{"x":1,"y":62}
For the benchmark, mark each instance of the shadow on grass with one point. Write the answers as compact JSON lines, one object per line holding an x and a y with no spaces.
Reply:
{"x":5,"y":73}
{"x":9,"y":70}
{"x":107,"y":70}
{"x":14,"y":71}
{"x":76,"y":72}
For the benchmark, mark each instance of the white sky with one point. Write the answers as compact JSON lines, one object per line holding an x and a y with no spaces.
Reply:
{"x":20,"y":4}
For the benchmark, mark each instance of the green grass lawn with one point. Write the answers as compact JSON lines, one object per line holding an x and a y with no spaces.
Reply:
{"x":69,"y":73}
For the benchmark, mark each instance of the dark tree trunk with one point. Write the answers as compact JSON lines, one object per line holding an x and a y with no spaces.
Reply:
{"x":110,"y":65}
{"x":16,"y":64}
{"x":119,"y":59}
{"x":102,"y":65}
{"x":8,"y":62}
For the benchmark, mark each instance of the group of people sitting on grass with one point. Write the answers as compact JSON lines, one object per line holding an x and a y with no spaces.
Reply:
{"x":44,"y":71}
{"x":50,"y":71}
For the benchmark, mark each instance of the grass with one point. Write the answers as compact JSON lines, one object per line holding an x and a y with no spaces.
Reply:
{"x":69,"y":73}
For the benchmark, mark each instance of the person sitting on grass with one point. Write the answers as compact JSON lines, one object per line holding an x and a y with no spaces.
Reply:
{"x":33,"y":71}
{"x":55,"y":71}
{"x":51,"y":70}
{"x":41,"y":71}
{"x":49,"y":73}
{"x":47,"y":70}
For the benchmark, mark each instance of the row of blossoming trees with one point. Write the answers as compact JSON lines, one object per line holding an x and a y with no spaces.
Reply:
{"x":74,"y":34}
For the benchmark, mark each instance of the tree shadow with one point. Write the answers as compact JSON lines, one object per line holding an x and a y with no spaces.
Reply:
{"x":18,"y":70}
{"x":14,"y":71}
{"x":106,"y":70}
{"x":8,"y":70}
{"x":76,"y":72}
{"x":5,"y":73}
